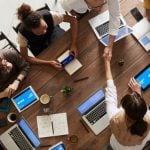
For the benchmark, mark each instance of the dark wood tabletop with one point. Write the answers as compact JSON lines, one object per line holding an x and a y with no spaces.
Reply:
{"x":45,"y":79}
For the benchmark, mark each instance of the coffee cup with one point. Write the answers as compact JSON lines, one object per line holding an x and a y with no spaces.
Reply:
{"x":12,"y":117}
{"x":45,"y":101}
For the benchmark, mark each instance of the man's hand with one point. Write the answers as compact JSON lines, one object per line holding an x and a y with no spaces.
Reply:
{"x":134,"y":86}
{"x":56,"y":65}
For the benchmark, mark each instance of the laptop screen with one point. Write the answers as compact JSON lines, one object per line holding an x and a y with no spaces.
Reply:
{"x":25,"y":98}
{"x":29,"y":133}
{"x":97,"y":97}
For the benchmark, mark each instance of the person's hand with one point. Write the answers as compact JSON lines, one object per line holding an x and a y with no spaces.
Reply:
{"x":134,"y":86}
{"x":74,"y":51}
{"x":107,"y":54}
{"x":56,"y":65}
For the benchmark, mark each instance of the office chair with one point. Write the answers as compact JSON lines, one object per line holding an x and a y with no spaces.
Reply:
{"x":42,"y":8}
{"x":6,"y":43}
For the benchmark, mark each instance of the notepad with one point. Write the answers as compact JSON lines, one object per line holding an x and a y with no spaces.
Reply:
{"x":52,"y":125}
{"x":72,"y":66}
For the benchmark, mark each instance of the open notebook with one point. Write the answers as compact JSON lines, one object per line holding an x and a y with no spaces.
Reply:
{"x":52,"y":125}
{"x":72,"y":65}
{"x":141,"y":31}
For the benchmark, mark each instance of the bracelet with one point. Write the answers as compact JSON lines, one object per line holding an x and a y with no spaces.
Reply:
{"x":18,"y":80}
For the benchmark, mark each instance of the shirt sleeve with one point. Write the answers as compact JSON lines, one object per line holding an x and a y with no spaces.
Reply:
{"x":111,"y":99}
{"x":57,"y":17}
{"x":22,"y":41}
{"x":114,"y":16}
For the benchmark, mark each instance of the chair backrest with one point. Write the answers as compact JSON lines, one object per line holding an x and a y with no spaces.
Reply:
{"x":5,"y":42}
{"x":15,"y":28}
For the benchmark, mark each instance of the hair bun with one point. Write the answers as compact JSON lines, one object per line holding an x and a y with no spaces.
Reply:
{"x":23,"y":11}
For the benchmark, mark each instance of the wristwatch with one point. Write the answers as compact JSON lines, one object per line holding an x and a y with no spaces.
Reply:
{"x":18,"y":79}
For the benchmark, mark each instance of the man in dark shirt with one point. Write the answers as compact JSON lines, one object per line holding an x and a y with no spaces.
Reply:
{"x":11,"y":64}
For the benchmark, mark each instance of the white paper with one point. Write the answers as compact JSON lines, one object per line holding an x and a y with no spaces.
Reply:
{"x":73,"y":66}
{"x":52,"y":125}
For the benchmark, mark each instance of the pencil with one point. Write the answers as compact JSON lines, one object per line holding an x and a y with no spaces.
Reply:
{"x":52,"y":127}
{"x":81,"y":79}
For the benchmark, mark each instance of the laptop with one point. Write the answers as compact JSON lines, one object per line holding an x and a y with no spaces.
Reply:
{"x":93,"y":112}
{"x":100,"y":26}
{"x":20,"y":137}
{"x":25,"y":99}
{"x":141,"y":31}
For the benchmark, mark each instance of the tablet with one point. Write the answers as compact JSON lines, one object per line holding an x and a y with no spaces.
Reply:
{"x":25,"y":99}
{"x":58,"y":146}
{"x":143,"y":77}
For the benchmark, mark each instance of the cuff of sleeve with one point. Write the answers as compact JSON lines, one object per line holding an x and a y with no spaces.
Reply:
{"x":110,"y":83}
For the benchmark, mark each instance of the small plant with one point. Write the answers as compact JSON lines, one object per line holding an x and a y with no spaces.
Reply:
{"x":66,"y":90}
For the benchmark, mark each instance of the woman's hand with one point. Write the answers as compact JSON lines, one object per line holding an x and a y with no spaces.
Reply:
{"x":74,"y":51}
{"x":56,"y":65}
{"x":134,"y":86}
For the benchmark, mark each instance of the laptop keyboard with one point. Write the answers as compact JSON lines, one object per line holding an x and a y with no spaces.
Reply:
{"x":104,"y":28}
{"x":97,"y":113}
{"x":19,"y":139}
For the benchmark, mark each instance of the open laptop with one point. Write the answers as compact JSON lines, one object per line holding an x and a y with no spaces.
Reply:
{"x":100,"y":26}
{"x":20,"y":137}
{"x":141,"y":31}
{"x":25,"y":98}
{"x":93,"y":112}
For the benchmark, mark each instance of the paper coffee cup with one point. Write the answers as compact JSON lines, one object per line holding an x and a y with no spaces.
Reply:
{"x":12,"y":117}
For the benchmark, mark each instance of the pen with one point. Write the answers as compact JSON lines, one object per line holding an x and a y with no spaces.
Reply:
{"x":52,"y":127}
{"x":77,"y":80}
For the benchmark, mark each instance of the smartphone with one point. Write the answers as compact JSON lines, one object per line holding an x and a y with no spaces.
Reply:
{"x":67,"y":60}
{"x":136,"y":14}
{"x":58,"y":146}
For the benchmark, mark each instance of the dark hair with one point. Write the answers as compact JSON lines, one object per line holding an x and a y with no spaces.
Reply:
{"x":31,"y":19}
{"x":135,"y":108}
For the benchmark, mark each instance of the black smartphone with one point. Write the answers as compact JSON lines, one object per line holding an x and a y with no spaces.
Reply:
{"x":67,"y":60}
{"x":136,"y":14}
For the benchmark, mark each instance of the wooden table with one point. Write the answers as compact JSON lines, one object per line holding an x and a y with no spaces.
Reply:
{"x":48,"y":80}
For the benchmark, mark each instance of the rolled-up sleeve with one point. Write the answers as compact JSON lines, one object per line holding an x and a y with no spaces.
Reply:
{"x":114,"y":16}
{"x":111,"y":99}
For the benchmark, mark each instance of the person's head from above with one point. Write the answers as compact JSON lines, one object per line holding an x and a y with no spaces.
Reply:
{"x":94,"y":4}
{"x":32,"y":20}
{"x":5,"y":66}
{"x":135,"y":109}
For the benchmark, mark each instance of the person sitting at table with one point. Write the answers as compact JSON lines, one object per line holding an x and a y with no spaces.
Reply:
{"x":13,"y":69}
{"x":77,"y":7}
{"x":129,"y":124}
{"x":38,"y":29}
{"x":147,"y":8}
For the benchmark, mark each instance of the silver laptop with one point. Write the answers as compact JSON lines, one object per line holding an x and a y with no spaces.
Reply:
{"x":93,"y":112}
{"x":25,"y":99}
{"x":20,"y":137}
{"x":100,"y":26}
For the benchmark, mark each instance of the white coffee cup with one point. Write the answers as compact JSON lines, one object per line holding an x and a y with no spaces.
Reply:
{"x":12,"y":117}
{"x":45,"y":101}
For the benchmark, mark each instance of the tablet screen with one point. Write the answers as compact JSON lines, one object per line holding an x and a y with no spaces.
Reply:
{"x":143,"y":78}
{"x":25,"y":98}
{"x":58,"y":146}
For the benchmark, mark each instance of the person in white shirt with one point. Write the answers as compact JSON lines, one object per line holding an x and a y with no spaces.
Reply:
{"x":81,"y":6}
{"x":130,"y":123}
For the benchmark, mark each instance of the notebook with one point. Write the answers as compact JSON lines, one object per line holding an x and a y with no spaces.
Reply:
{"x":20,"y":136}
{"x":141,"y":31}
{"x":25,"y":99}
{"x":143,"y":77}
{"x":70,"y":64}
{"x":93,"y":112}
{"x":52,"y":125}
{"x":100,"y":26}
